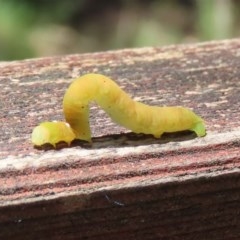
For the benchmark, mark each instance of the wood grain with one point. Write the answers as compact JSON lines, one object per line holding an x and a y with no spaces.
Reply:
{"x":124,"y":185}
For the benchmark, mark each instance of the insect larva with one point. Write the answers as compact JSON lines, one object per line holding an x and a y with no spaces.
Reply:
{"x":136,"y":116}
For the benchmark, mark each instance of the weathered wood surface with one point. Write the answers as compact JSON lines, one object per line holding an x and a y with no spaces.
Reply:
{"x":124,"y":185}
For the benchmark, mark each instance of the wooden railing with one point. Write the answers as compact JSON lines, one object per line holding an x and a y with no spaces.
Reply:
{"x":124,"y":185}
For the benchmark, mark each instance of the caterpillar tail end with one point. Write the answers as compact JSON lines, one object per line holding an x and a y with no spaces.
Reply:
{"x":199,"y":129}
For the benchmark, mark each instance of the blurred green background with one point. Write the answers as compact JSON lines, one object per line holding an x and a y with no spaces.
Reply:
{"x":35,"y":28}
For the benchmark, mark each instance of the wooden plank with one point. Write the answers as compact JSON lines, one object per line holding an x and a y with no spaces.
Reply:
{"x":124,"y":185}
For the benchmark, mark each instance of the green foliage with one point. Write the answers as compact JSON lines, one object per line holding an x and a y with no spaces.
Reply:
{"x":32,"y":28}
{"x":215,"y":19}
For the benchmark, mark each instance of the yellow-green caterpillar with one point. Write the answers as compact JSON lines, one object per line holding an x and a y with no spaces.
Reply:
{"x":136,"y":116}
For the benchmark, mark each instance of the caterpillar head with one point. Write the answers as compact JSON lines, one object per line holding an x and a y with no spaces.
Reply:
{"x":52,"y":132}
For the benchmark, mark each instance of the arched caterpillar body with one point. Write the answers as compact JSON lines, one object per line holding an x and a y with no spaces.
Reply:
{"x":136,"y":116}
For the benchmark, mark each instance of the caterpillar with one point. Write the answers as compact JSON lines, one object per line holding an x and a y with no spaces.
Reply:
{"x":136,"y":116}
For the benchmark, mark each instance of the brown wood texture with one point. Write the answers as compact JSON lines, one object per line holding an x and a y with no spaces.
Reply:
{"x":124,"y":185}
